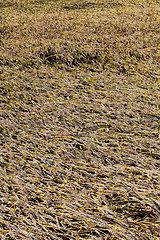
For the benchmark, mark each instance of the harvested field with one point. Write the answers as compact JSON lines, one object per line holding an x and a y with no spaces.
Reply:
{"x":80,"y":120}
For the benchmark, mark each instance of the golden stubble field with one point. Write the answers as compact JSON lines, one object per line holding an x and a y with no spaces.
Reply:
{"x":80,"y":120}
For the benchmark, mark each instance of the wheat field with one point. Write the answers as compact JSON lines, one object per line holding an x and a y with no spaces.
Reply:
{"x":80,"y":119}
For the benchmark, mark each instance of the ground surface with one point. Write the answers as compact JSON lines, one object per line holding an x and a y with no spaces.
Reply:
{"x":80,"y":120}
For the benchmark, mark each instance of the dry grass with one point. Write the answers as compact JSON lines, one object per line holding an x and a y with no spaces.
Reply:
{"x":80,"y":120}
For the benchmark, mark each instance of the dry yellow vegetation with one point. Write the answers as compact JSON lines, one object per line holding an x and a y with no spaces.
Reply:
{"x":80,"y":119}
